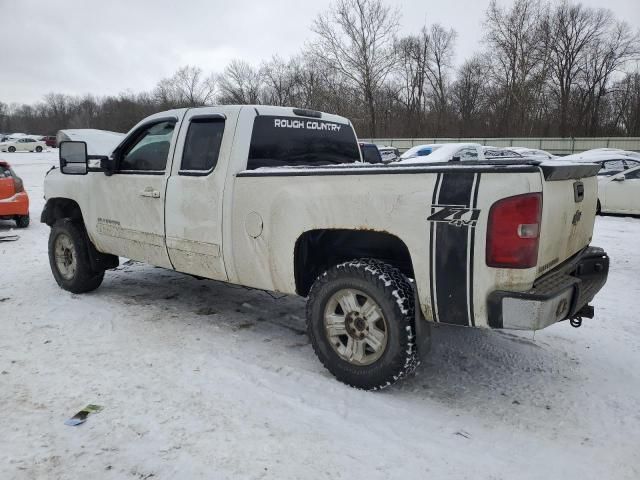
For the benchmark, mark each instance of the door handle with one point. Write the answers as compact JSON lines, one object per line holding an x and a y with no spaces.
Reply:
{"x":150,"y":192}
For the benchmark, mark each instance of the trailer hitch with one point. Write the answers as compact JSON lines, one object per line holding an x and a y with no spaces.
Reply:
{"x":586,"y":311}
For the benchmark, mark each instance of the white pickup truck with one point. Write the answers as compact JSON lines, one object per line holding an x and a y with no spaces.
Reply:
{"x":278,"y":199}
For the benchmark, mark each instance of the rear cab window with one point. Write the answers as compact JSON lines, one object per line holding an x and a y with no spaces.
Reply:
{"x":289,"y":141}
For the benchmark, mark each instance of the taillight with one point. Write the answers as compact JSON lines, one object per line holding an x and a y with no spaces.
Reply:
{"x":513,"y":231}
{"x":18,"y":185}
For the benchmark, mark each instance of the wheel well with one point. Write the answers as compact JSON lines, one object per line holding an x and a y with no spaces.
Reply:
{"x":57,"y":208}
{"x":318,"y":250}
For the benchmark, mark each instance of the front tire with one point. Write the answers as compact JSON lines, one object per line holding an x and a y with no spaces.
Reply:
{"x":11,"y":149}
{"x":360,"y":320}
{"x":22,"y":221}
{"x":38,"y":149}
{"x":69,"y":258}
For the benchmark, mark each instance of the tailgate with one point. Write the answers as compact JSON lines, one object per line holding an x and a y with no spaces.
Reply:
{"x":569,"y":199}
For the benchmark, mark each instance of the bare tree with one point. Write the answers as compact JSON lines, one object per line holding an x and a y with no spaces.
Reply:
{"x":282,"y":79}
{"x":517,"y":49}
{"x":602,"y":59}
{"x":355,"y":38}
{"x":240,"y":84}
{"x":413,"y":54}
{"x":626,"y":104}
{"x":467,"y":92}
{"x":572,"y":28}
{"x":441,"y":48}
{"x":188,"y":87}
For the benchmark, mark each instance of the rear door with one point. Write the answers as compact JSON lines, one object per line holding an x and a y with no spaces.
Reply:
{"x":195,"y":191}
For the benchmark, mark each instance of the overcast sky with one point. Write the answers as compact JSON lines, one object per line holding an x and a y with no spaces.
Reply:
{"x":108,"y":46}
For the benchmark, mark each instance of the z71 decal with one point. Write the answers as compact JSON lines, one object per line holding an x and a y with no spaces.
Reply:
{"x":456,"y":215}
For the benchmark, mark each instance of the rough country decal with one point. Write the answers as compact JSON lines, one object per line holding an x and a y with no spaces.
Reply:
{"x":456,"y":215}
{"x":306,"y":125}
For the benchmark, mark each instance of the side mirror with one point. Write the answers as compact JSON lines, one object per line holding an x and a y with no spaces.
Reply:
{"x":73,"y":158}
{"x":455,"y":159}
{"x":621,"y":178}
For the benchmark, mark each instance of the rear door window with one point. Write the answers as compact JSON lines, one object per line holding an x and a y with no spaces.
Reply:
{"x":289,"y":141}
{"x":202,"y":146}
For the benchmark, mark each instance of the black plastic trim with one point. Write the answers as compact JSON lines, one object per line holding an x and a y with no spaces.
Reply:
{"x":388,"y":170}
{"x":571,"y":171}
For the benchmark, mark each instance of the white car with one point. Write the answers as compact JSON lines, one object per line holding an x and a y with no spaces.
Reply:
{"x":443,"y":152}
{"x":23,"y":145}
{"x":611,"y":162}
{"x":533,"y":153}
{"x":389,"y":154}
{"x":620,"y":193}
{"x":491,"y":152}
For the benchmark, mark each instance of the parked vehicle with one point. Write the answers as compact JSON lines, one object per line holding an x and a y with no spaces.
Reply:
{"x":498,"y":152}
{"x":50,"y":141}
{"x":389,"y":154}
{"x":620,"y":192}
{"x":533,"y":153}
{"x":370,"y":153}
{"x":443,"y":152}
{"x":278,"y":199}
{"x":14,"y":201}
{"x":24,"y":144}
{"x":610,"y":162}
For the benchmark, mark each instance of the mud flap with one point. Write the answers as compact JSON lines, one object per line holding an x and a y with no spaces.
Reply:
{"x":422,"y":326}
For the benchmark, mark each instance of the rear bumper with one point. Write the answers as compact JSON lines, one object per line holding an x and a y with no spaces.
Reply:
{"x":18,"y":204}
{"x":559,"y":295}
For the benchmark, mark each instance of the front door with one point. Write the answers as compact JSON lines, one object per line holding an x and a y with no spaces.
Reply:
{"x":127,"y":208}
{"x":195,"y":192}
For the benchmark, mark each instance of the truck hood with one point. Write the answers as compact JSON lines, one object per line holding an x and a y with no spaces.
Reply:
{"x":99,"y":142}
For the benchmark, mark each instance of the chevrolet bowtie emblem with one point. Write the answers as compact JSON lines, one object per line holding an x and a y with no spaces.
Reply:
{"x":576,"y":217}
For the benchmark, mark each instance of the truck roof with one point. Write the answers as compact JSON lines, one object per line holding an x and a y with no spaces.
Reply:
{"x":261,"y":110}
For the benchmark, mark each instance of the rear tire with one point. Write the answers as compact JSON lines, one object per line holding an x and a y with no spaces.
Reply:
{"x":69,"y":258}
{"x":360,"y":320}
{"x":11,"y":149}
{"x":598,"y":208}
{"x":22,"y":221}
{"x":38,"y":149}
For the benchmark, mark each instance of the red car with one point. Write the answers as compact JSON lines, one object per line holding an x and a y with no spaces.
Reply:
{"x":14,"y":201}
{"x":50,"y":141}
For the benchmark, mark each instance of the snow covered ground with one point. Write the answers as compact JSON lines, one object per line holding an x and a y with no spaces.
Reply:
{"x":205,"y":380}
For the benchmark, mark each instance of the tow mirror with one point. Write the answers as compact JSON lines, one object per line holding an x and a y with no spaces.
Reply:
{"x":621,"y":178}
{"x":73,"y":158}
